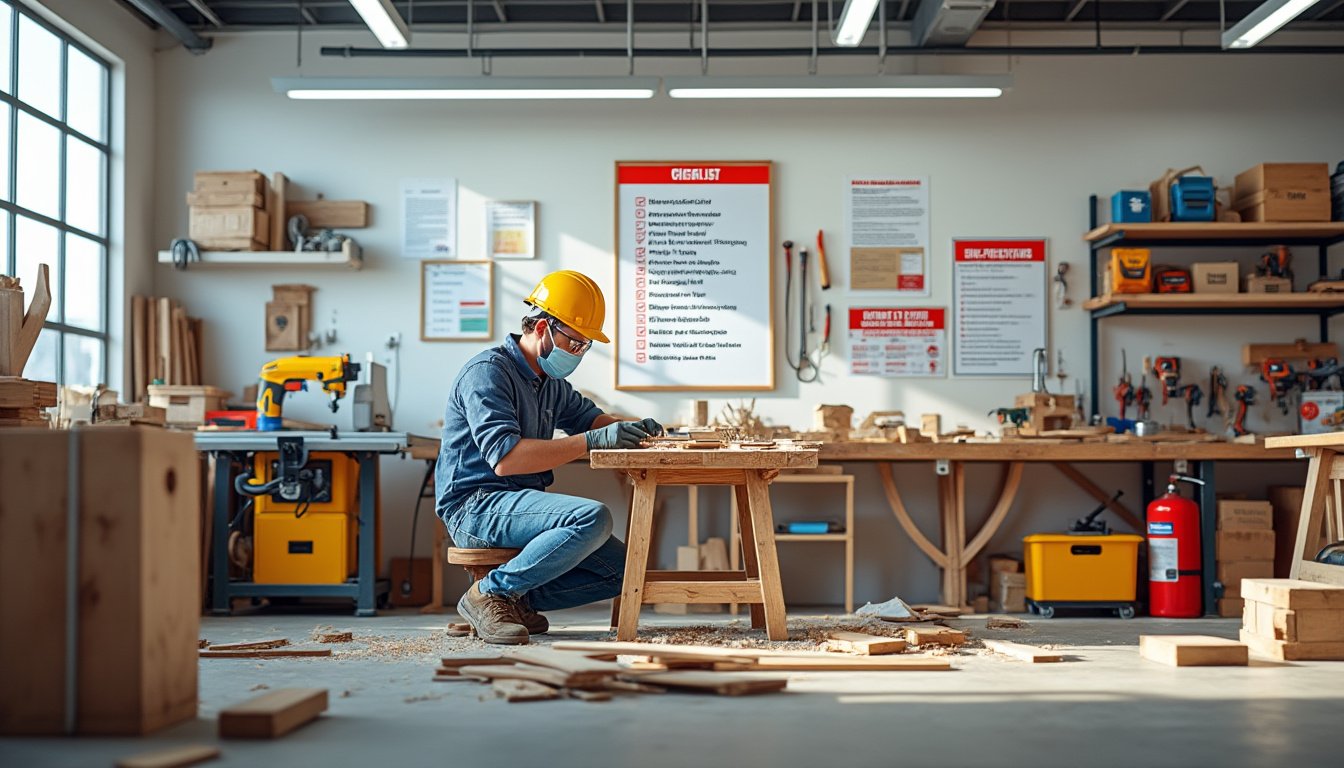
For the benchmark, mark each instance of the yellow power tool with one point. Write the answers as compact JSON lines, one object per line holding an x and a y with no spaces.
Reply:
{"x":292,"y":374}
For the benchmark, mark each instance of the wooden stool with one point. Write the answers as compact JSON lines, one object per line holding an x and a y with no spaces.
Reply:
{"x":1321,"y":521}
{"x":480,"y":562}
{"x":757,"y":584}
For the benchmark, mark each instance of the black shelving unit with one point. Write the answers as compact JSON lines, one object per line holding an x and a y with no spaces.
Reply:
{"x":1324,"y":306}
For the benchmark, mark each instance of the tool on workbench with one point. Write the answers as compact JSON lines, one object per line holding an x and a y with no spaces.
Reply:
{"x":1062,"y":300}
{"x":1193,"y":396}
{"x":1143,"y":396}
{"x":1276,"y":263}
{"x":1124,"y":397}
{"x":1278,"y":374}
{"x":292,"y":374}
{"x":823,"y":270}
{"x":1017,"y":416}
{"x":1167,"y":370}
{"x":1245,"y":396}
{"x":1217,"y":392}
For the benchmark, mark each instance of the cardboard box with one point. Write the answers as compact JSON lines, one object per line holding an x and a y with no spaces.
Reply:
{"x":1245,"y":545}
{"x":1230,"y":607}
{"x":1216,"y":277}
{"x":1230,"y":573}
{"x":1245,"y":515}
{"x":1283,"y":192}
{"x":186,"y":404}
{"x":1316,"y":412}
{"x":138,"y":579}
{"x":1263,"y":284}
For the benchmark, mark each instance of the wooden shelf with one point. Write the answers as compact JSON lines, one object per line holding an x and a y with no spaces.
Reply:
{"x":1322,"y":233}
{"x":1227,"y":303}
{"x":811,"y":536}
{"x":350,"y":255}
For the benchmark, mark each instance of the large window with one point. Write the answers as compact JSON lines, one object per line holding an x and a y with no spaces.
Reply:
{"x":54,"y":155}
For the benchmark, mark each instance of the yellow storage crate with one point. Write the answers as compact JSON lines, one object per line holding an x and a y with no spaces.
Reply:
{"x":1082,"y":571}
{"x":317,"y":548}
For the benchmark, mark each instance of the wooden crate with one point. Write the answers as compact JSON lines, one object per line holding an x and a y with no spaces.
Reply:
{"x":186,"y":405}
{"x":230,"y":181}
{"x":138,"y":508}
{"x":230,"y":228}
{"x":1283,"y":192}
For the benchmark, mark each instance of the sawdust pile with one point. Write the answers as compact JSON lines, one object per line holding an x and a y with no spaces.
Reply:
{"x":808,"y":634}
{"x":419,"y":647}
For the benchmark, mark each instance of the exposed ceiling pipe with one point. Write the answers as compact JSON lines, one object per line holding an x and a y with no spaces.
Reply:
{"x":351,"y":52}
{"x":165,"y":18}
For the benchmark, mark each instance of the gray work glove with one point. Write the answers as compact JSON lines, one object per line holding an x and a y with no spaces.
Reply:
{"x":620,"y":434}
{"x":651,"y":426}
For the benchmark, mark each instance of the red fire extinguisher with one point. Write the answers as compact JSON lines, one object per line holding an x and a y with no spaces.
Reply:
{"x":1175,"y":585}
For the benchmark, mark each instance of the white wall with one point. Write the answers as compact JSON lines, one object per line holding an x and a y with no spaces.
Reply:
{"x":1022,"y":165}
{"x":128,"y":45}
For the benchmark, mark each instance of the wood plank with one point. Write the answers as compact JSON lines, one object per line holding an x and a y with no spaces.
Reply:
{"x":174,"y":757}
{"x":934,"y":635}
{"x":1023,"y":652}
{"x":717,"y":682}
{"x":1074,"y":452}
{"x":39,"y":303}
{"x":544,"y":675}
{"x":1218,"y":301}
{"x":565,"y":661}
{"x":1193,"y":650}
{"x":771,"y":587}
{"x":474,"y":660}
{"x":1254,"y":354}
{"x":151,"y":341}
{"x":11,"y":324}
{"x":864,"y":644}
{"x":1292,"y":626}
{"x":275,"y":653}
{"x":834,"y":662}
{"x":637,"y":555}
{"x":696,"y":476}
{"x":179,"y":320}
{"x":330,"y":214}
{"x":660,"y":650}
{"x":514,"y":691}
{"x":279,"y":210}
{"x":1294,"y":594}
{"x":1285,"y":651}
{"x":652,"y":576}
{"x":139,"y":352}
{"x":273,"y":714}
{"x":165,"y":328}
{"x":702,"y":592}
{"x":251,"y":645}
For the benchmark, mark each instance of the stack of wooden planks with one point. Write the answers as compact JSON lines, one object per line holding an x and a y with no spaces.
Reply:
{"x":1290,"y":620}
{"x":22,"y":402}
{"x":166,"y":345}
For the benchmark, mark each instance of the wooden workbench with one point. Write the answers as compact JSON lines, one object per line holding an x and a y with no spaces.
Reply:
{"x":1322,"y":502}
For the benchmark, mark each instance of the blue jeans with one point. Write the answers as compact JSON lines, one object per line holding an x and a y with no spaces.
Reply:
{"x":568,"y":558}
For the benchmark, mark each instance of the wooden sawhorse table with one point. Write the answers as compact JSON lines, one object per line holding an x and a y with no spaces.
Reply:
{"x":1322,"y":504}
{"x":750,"y":473}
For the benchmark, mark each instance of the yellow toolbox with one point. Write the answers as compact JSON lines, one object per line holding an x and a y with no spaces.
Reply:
{"x":318,"y":548}
{"x":1082,"y":571}
{"x":1131,"y":270}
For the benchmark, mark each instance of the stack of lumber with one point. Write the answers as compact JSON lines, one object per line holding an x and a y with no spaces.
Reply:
{"x":166,"y":345}
{"x":137,"y":414}
{"x":1289,"y":620}
{"x":1245,"y":548}
{"x":228,"y":211}
{"x":22,"y":402}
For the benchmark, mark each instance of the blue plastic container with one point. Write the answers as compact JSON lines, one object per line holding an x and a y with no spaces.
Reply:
{"x":1192,"y":199}
{"x":1131,"y":205}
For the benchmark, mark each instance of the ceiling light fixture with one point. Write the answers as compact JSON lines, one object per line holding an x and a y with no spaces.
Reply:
{"x":854,"y":20}
{"x":465,"y":88}
{"x":893,"y":87}
{"x":1263,"y":22}
{"x":384,"y":22}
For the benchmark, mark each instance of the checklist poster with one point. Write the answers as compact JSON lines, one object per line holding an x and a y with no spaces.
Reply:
{"x":998,"y":301}
{"x":694,"y":276}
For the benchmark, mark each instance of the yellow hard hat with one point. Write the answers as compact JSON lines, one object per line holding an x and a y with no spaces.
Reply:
{"x":574,"y":299}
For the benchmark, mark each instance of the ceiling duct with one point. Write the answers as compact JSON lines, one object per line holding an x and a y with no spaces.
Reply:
{"x":948,"y":22}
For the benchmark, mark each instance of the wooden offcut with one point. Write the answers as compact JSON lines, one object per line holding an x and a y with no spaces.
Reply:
{"x":717,"y":682}
{"x":175,"y":757}
{"x":1193,"y":650}
{"x":273,"y":653}
{"x":1023,"y":652}
{"x":1294,"y":594}
{"x":864,"y":644}
{"x":251,"y":645}
{"x":543,"y":675}
{"x":1265,"y":620}
{"x":330,"y":214}
{"x":273,"y":714}
{"x":934,"y":635}
{"x":523,"y":690}
{"x":1283,"y":650}
{"x":830,"y":662}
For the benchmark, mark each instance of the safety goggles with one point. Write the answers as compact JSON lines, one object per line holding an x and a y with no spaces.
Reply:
{"x":574,"y":346}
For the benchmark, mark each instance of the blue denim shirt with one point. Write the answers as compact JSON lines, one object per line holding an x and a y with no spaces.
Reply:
{"x":497,"y":400}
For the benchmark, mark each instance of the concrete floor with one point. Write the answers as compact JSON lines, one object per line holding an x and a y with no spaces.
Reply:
{"x":1103,"y":706}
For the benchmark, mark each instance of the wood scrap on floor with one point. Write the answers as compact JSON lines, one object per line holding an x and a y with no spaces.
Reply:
{"x":863,"y":644}
{"x":1023,"y":652}
{"x":250,"y":645}
{"x":336,"y":637}
{"x":1005,"y":622}
{"x":591,"y":696}
{"x":544,"y":675}
{"x":1193,"y":651}
{"x":830,"y":662}
{"x":457,"y":630}
{"x":273,"y":714}
{"x":175,"y":757}
{"x":718,"y":682}
{"x":266,"y":653}
{"x":514,"y":691}
{"x":934,"y":635}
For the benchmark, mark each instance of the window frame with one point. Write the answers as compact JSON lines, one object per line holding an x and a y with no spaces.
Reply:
{"x":11,"y":210}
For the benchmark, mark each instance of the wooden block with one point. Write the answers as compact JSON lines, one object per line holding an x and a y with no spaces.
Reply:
{"x":233,"y":199}
{"x":934,"y":635}
{"x":1283,"y":650}
{"x":210,"y":225}
{"x":176,"y":757}
{"x":864,"y":644}
{"x":830,"y":662}
{"x":717,"y":682}
{"x":659,"y":650}
{"x":523,"y":690}
{"x":1265,"y":620}
{"x":283,"y":327}
{"x":229,"y":181}
{"x":278,"y":208}
{"x":330,"y":214}
{"x":251,"y":645}
{"x":273,"y":714}
{"x":1245,"y":545}
{"x":1294,"y":594}
{"x":1023,"y":652}
{"x":1192,"y":650}
{"x":336,"y":637}
{"x":474,"y":660}
{"x":544,"y":675}
{"x":580,"y":671}
{"x":274,"y":653}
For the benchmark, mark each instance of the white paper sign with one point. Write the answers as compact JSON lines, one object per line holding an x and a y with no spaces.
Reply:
{"x":429,"y":218}
{"x":887,"y":218}
{"x":891,"y":341}
{"x":456,"y":300}
{"x":510,"y":229}
{"x":694,"y":276}
{"x":999,"y":298}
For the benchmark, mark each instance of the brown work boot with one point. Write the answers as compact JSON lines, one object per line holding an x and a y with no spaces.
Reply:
{"x":536,"y":623}
{"x":494,"y":618}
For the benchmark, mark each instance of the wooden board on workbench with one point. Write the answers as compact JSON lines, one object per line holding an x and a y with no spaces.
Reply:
{"x":273,"y":714}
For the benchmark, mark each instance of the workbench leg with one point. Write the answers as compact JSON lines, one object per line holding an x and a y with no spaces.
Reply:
{"x":849,"y":545}
{"x":763,"y":531}
{"x":436,"y":571}
{"x":751,"y":563}
{"x":1317,"y":490}
{"x":1208,"y":531}
{"x":734,"y":537}
{"x":219,"y":558}
{"x":637,"y":555}
{"x":368,"y":502}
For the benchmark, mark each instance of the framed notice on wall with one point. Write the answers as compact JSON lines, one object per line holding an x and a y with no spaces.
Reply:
{"x":898,"y":342}
{"x":999,"y":296}
{"x":456,"y":300}
{"x":887,"y":218}
{"x":694,"y":277}
{"x":511,"y":229}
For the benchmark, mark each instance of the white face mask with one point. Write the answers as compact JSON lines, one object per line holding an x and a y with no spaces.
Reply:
{"x":558,"y":363}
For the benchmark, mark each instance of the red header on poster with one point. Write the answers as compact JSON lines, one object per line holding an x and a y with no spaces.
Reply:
{"x":693,"y":173}
{"x":897,"y":319}
{"x":1000,"y":250}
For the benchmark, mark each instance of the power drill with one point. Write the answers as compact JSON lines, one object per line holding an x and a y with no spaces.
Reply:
{"x":1124,"y":394}
{"x":1168,"y":371}
{"x":1193,"y":396}
{"x":1276,"y":264}
{"x":1018,"y":416}
{"x":1217,"y":391}
{"x":1278,"y":374}
{"x":1245,"y":398}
